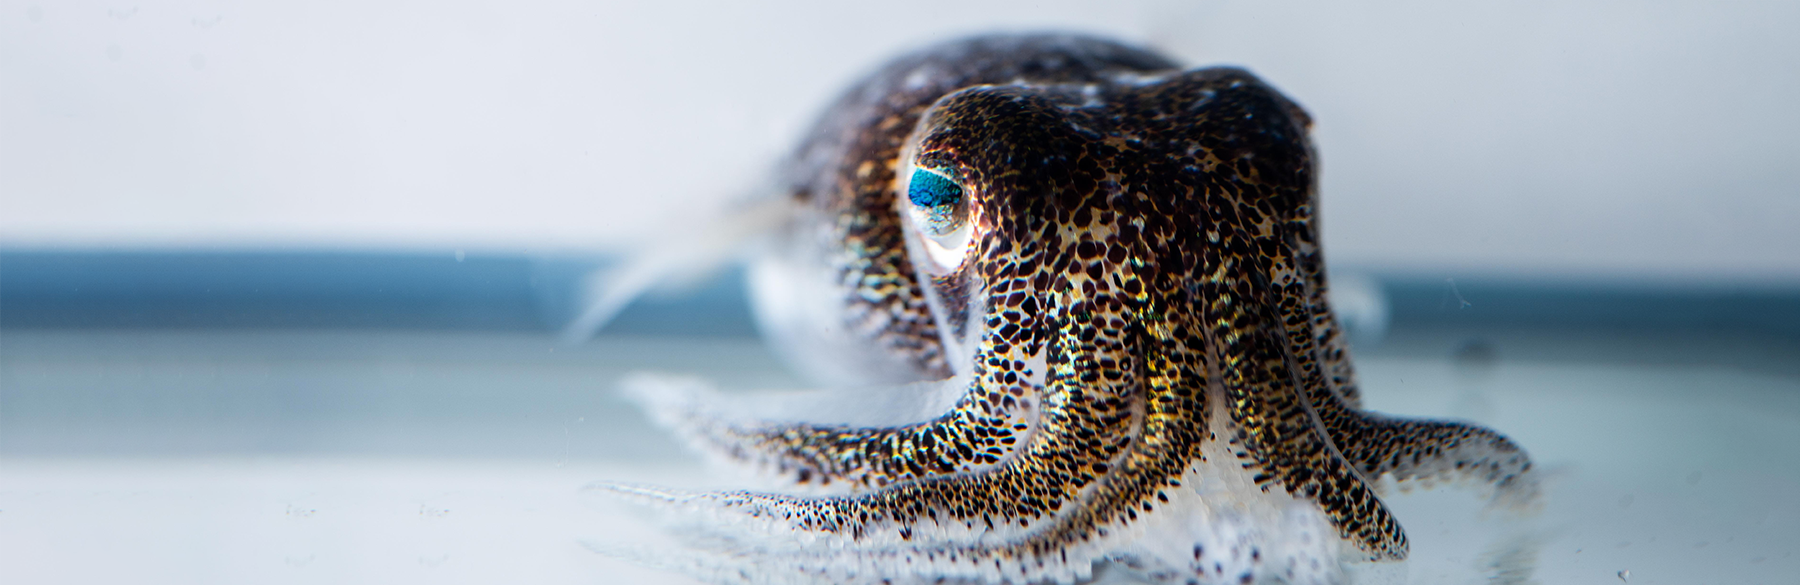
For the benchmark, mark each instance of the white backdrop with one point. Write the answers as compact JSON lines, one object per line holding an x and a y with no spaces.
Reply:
{"x":1591,"y":137}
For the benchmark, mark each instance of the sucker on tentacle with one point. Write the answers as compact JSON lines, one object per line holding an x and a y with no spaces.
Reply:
{"x":1094,"y":286}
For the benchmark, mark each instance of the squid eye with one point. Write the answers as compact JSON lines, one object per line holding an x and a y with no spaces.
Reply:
{"x":940,"y":212}
{"x":931,"y":190}
{"x":937,"y":202}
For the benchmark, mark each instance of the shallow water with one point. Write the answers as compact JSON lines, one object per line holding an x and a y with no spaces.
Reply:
{"x":215,"y":457}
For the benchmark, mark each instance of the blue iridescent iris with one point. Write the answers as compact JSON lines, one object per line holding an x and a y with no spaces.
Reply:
{"x":930,"y":190}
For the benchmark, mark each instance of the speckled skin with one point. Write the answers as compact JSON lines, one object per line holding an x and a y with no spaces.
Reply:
{"x":1143,"y":289}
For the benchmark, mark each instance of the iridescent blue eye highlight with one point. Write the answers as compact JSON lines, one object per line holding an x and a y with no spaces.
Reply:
{"x":928,"y":189}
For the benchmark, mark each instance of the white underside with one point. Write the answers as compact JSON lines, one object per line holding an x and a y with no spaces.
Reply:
{"x":800,"y":309}
{"x":1240,"y":531}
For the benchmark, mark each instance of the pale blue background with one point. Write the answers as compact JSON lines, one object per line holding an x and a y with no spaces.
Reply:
{"x":1590,"y":138}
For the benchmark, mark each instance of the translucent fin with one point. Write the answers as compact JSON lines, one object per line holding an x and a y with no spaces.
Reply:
{"x":687,"y":252}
